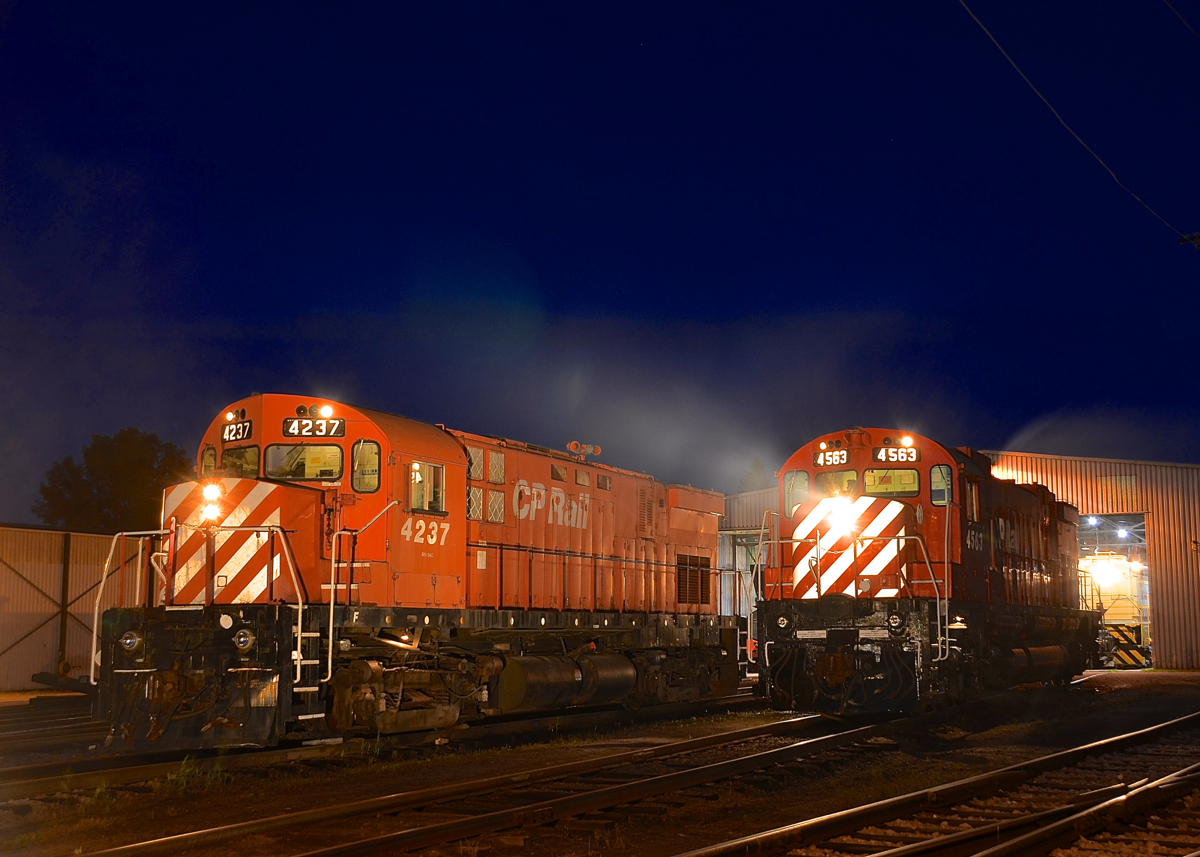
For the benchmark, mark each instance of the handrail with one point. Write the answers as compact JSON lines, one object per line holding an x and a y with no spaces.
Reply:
{"x":764,"y":532}
{"x":291,"y":563}
{"x":100,"y":591}
{"x":943,"y":638}
{"x":337,"y":541}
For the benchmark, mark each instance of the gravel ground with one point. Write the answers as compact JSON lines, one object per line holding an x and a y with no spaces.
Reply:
{"x":957,"y":744}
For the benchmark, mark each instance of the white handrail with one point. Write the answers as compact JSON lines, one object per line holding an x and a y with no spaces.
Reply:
{"x":100,"y":592}
{"x":287,"y":551}
{"x":943,"y":639}
{"x":337,"y":541}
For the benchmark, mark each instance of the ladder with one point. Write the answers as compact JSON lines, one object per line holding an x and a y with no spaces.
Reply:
{"x":307,"y":707}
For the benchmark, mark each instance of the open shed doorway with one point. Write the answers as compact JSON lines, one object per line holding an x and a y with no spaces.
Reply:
{"x":1112,"y":552}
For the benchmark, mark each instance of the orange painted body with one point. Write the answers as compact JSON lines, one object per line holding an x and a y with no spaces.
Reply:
{"x":518,"y":526}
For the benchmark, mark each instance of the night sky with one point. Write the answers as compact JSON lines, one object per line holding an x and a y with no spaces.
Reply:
{"x":693,"y":233}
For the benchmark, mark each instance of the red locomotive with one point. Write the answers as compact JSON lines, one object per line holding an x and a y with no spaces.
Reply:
{"x":336,"y":570}
{"x":905,"y":574}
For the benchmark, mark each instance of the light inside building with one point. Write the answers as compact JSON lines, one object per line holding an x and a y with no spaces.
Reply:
{"x":1122,"y":533}
{"x":1093,"y":522}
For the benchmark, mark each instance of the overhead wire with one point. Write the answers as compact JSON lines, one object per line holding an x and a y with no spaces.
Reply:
{"x":1181,"y":18}
{"x":1058,"y":116}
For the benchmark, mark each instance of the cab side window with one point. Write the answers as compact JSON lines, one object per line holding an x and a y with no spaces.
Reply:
{"x":972,"y":501}
{"x":428,"y":487}
{"x":795,"y":489}
{"x":941,"y":481}
{"x":364,"y":467}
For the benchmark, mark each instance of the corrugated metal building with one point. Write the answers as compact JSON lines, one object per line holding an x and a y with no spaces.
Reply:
{"x":1169,"y":497}
{"x":48,"y":582}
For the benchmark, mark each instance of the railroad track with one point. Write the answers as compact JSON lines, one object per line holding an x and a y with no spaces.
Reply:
{"x":577,"y":787}
{"x":114,"y":770}
{"x":48,"y":723}
{"x":1121,"y":784}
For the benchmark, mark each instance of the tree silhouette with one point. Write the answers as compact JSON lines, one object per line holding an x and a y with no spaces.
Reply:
{"x":116,"y":487}
{"x":756,"y":478}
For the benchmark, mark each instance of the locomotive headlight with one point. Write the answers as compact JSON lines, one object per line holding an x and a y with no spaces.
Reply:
{"x":212,"y":492}
{"x":243,"y":640}
{"x":211,"y":512}
{"x":782,"y":621}
{"x":895,"y":621}
{"x":840,"y":516}
{"x":131,"y":641}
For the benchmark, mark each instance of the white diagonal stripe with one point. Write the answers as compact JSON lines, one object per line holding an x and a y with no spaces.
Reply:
{"x":173,"y":497}
{"x":830,"y":538}
{"x":242,"y":511}
{"x":874,"y":528}
{"x":241,"y":556}
{"x":813,"y":518}
{"x":884,"y":557}
{"x":253,"y":589}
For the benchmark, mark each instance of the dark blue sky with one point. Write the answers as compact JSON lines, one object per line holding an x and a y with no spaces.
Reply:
{"x":693,"y":233}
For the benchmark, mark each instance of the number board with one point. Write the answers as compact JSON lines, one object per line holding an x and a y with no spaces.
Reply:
{"x":892,"y":454}
{"x":237,"y":431}
{"x":305,"y":427}
{"x":828,"y":457}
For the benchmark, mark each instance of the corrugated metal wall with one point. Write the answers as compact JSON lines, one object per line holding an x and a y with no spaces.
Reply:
{"x":37,"y":630}
{"x":745,"y":511}
{"x":1169,"y":496}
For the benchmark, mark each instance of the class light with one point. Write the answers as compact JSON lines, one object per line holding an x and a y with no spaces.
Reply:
{"x":212,"y":492}
{"x":211,"y":512}
{"x":840,"y":516}
{"x":326,"y":411}
{"x":906,"y":441}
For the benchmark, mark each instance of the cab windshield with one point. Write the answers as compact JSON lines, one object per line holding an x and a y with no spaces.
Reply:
{"x":303,"y":461}
{"x":835,"y":483}
{"x":241,"y":462}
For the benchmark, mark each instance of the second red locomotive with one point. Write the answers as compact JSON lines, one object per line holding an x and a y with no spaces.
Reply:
{"x":905,"y":574}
